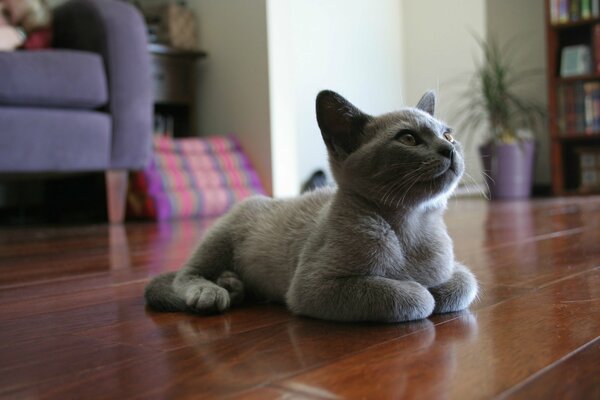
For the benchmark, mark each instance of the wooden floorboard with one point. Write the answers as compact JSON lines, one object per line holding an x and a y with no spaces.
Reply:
{"x":480,"y":350}
{"x":74,"y":324}
{"x":575,"y":377}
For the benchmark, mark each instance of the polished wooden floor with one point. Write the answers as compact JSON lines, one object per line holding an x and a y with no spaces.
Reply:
{"x":73,"y":323}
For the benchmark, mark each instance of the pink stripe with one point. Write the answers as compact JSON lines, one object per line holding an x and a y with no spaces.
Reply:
{"x":174,"y":170}
{"x":230,"y":167}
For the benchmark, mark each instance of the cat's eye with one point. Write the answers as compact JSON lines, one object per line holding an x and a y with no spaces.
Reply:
{"x":407,"y":138}
{"x":448,"y":136}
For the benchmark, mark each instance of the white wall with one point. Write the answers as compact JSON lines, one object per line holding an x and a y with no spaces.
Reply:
{"x":267,"y":61}
{"x":269,"y":58}
{"x":233,"y":82}
{"x":440,"y":54}
{"x":524,"y":20}
{"x":351,"y":46}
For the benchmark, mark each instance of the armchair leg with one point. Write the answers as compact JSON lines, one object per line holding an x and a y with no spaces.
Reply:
{"x":116,"y":192}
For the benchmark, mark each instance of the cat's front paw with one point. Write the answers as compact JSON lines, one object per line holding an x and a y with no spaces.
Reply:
{"x":418,"y":302}
{"x":207,"y":298}
{"x":457,"y":293}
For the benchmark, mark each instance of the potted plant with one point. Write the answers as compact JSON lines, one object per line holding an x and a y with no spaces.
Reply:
{"x":508,"y":150}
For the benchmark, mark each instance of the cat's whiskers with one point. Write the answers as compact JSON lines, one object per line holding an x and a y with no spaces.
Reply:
{"x":433,"y":166}
{"x":398,"y":166}
{"x":385,"y":187}
{"x":408,"y":163}
{"x":398,"y":186}
{"x":410,"y":187}
{"x":484,"y":193}
{"x":488,"y":176}
{"x":389,"y":188}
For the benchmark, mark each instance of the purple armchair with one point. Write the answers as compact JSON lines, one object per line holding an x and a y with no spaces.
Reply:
{"x":86,"y":104}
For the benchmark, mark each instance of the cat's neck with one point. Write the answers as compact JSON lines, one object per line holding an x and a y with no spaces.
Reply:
{"x":350,"y":204}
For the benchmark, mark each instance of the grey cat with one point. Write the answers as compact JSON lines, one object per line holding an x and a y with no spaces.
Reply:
{"x":373,"y":249}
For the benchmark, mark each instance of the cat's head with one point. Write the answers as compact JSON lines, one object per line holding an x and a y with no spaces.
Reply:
{"x":405,"y":158}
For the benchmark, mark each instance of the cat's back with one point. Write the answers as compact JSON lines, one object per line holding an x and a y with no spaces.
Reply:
{"x":263,"y":215}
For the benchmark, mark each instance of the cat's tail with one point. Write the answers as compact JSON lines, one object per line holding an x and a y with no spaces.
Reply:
{"x":160,"y":295}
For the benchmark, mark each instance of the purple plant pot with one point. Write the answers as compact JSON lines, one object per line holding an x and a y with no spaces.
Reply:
{"x":509,"y":169}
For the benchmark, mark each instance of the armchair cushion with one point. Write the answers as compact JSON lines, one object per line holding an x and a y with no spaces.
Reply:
{"x":53,"y":140}
{"x":53,"y":78}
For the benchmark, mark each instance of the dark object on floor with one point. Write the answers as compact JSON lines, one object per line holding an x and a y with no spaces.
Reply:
{"x":317,"y":179}
{"x":69,"y":199}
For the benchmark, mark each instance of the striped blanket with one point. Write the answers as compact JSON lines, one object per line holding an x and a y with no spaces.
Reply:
{"x":192,"y":177}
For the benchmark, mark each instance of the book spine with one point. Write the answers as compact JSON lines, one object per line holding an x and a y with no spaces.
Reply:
{"x":596,"y":110}
{"x":596,"y":47}
{"x":586,"y":9}
{"x":564,"y":62}
{"x":574,"y":10}
{"x":569,"y":109}
{"x":565,"y":110}
{"x":563,"y":15}
{"x":588,"y":106}
{"x":596,"y":115}
{"x":579,"y":108}
{"x":553,"y":7}
{"x":595,"y":94}
{"x":586,"y":60}
{"x":562,"y":111}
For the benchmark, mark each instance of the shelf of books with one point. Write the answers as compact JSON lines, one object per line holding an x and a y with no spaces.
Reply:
{"x":573,"y":35}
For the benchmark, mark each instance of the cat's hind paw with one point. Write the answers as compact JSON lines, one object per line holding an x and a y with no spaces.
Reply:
{"x":207,"y":298}
{"x":232,"y":282}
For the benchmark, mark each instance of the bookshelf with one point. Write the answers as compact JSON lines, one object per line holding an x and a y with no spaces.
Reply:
{"x":573,"y":101}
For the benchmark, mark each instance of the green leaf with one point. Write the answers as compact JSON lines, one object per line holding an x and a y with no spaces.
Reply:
{"x":490,"y":95}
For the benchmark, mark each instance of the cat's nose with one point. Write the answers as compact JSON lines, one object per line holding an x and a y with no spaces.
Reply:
{"x":446,"y":151}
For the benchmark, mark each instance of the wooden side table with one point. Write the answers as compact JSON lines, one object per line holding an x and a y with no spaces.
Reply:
{"x":174,"y":79}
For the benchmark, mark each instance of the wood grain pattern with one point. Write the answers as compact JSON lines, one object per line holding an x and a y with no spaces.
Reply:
{"x":74,"y":324}
{"x":472,"y":349}
{"x":573,"y":378}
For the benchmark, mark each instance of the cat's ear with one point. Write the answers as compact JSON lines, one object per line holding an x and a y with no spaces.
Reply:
{"x":427,"y":103}
{"x":340,"y":122}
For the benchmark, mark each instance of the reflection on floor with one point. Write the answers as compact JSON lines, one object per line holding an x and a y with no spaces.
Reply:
{"x":74,"y":323}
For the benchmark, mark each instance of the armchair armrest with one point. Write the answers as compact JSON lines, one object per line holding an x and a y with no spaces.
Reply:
{"x":117,"y":32}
